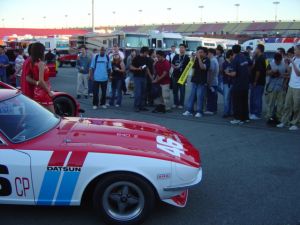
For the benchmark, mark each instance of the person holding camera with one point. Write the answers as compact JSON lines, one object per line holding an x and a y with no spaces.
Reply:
{"x":117,"y":77}
{"x":275,"y":93}
{"x":140,"y":72}
{"x":199,"y":83}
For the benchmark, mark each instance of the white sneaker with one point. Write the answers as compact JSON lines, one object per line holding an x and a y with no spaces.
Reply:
{"x":104,"y":107}
{"x":91,"y":95}
{"x":293,"y":128}
{"x":235,"y":122}
{"x":187,"y":113}
{"x":254,"y":117}
{"x":95,"y":107}
{"x":180,"y":107}
{"x":281,"y":125}
{"x":174,"y":106}
{"x":209,"y":113}
{"x":117,"y":106}
{"x":198,"y":115}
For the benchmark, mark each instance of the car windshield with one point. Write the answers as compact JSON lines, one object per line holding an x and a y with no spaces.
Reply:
{"x":22,"y":119}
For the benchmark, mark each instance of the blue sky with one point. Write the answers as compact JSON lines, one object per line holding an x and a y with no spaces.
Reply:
{"x":154,"y":11}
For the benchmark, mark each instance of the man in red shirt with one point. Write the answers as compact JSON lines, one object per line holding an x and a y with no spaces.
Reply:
{"x":162,"y":69}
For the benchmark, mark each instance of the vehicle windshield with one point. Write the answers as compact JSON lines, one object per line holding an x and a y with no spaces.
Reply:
{"x":22,"y":119}
{"x":169,"y":42}
{"x":136,"y":41}
{"x":193,"y":45}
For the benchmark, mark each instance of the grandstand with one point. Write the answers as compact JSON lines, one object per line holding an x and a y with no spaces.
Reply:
{"x":282,"y":28}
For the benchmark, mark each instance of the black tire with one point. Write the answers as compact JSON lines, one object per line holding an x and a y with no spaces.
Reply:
{"x":64,"y":106}
{"x":73,"y":64}
{"x":106,"y":205}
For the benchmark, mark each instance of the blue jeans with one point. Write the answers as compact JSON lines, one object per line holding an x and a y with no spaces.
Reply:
{"x":139,"y":92}
{"x":212,"y":99}
{"x":3,"y":78}
{"x":220,"y":88}
{"x":198,"y":91}
{"x":256,"y":100}
{"x":178,"y":89}
{"x":116,"y":86}
{"x":227,"y":100}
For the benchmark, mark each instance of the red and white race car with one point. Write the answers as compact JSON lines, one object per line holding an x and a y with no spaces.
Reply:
{"x":121,"y":167}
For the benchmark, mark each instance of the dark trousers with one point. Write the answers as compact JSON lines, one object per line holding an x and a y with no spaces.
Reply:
{"x":240,"y":104}
{"x":96,"y":85}
{"x":178,"y":89}
{"x":116,"y":86}
{"x":212,"y":99}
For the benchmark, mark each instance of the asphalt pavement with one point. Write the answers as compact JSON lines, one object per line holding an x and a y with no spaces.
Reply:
{"x":251,"y":173}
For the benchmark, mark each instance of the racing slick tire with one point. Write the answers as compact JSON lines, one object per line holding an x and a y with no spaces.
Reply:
{"x":123,"y":198}
{"x":64,"y":106}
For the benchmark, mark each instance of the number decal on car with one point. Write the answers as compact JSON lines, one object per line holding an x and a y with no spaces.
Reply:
{"x":5,"y":186}
{"x":169,"y":145}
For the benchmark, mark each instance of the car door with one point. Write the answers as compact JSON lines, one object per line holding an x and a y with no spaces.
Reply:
{"x":15,"y":175}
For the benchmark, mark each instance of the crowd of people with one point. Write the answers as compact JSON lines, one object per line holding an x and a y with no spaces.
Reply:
{"x":158,"y":79}
{"x":241,"y":78}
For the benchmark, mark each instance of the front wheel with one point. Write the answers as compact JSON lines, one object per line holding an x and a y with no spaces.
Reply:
{"x":123,"y":199}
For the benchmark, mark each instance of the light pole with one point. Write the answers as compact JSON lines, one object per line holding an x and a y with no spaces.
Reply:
{"x":201,"y":9}
{"x":169,"y":10}
{"x":44,"y":17}
{"x":23,"y":21}
{"x":141,"y":12}
{"x":89,"y":15}
{"x":114,"y":17}
{"x":93,"y":16}
{"x":276,"y":3}
{"x":237,"y":5}
{"x":66,"y":16}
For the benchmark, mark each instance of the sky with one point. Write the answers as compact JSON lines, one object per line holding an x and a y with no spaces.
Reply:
{"x":75,"y":13}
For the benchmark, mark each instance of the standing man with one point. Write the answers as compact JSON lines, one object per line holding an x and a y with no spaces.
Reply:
{"x":212,"y":81}
{"x":240,"y":86}
{"x":221,"y":59}
{"x":18,"y":66}
{"x":199,"y":82}
{"x":275,"y":89}
{"x":140,"y":70}
{"x":116,"y":50}
{"x":99,"y":72}
{"x":292,"y":100}
{"x":179,"y":63}
{"x":83,"y":65}
{"x":4,"y":63}
{"x":258,"y":82}
{"x":162,"y":69}
{"x":172,"y":54}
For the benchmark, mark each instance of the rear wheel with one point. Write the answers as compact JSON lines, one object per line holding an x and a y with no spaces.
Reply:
{"x":123,"y":199}
{"x":64,"y":106}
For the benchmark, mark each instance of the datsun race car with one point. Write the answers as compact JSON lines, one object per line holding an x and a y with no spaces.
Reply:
{"x":121,"y":167}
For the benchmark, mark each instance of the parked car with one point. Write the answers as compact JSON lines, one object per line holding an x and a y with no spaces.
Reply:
{"x":121,"y":167}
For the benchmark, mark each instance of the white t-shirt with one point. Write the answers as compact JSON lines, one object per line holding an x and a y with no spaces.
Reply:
{"x":295,"y":80}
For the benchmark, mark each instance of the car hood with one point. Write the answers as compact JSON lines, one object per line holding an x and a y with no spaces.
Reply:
{"x":126,"y":137}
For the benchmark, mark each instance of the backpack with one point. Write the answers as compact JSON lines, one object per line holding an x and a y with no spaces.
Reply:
{"x":96,"y":59}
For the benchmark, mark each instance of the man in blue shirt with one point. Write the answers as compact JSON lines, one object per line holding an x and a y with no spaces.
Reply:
{"x":99,"y":72}
{"x":4,"y":62}
{"x":240,"y":86}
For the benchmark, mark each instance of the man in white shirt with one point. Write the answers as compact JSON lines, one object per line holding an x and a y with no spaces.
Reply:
{"x":172,"y":54}
{"x":292,"y":101}
{"x":18,"y":66}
